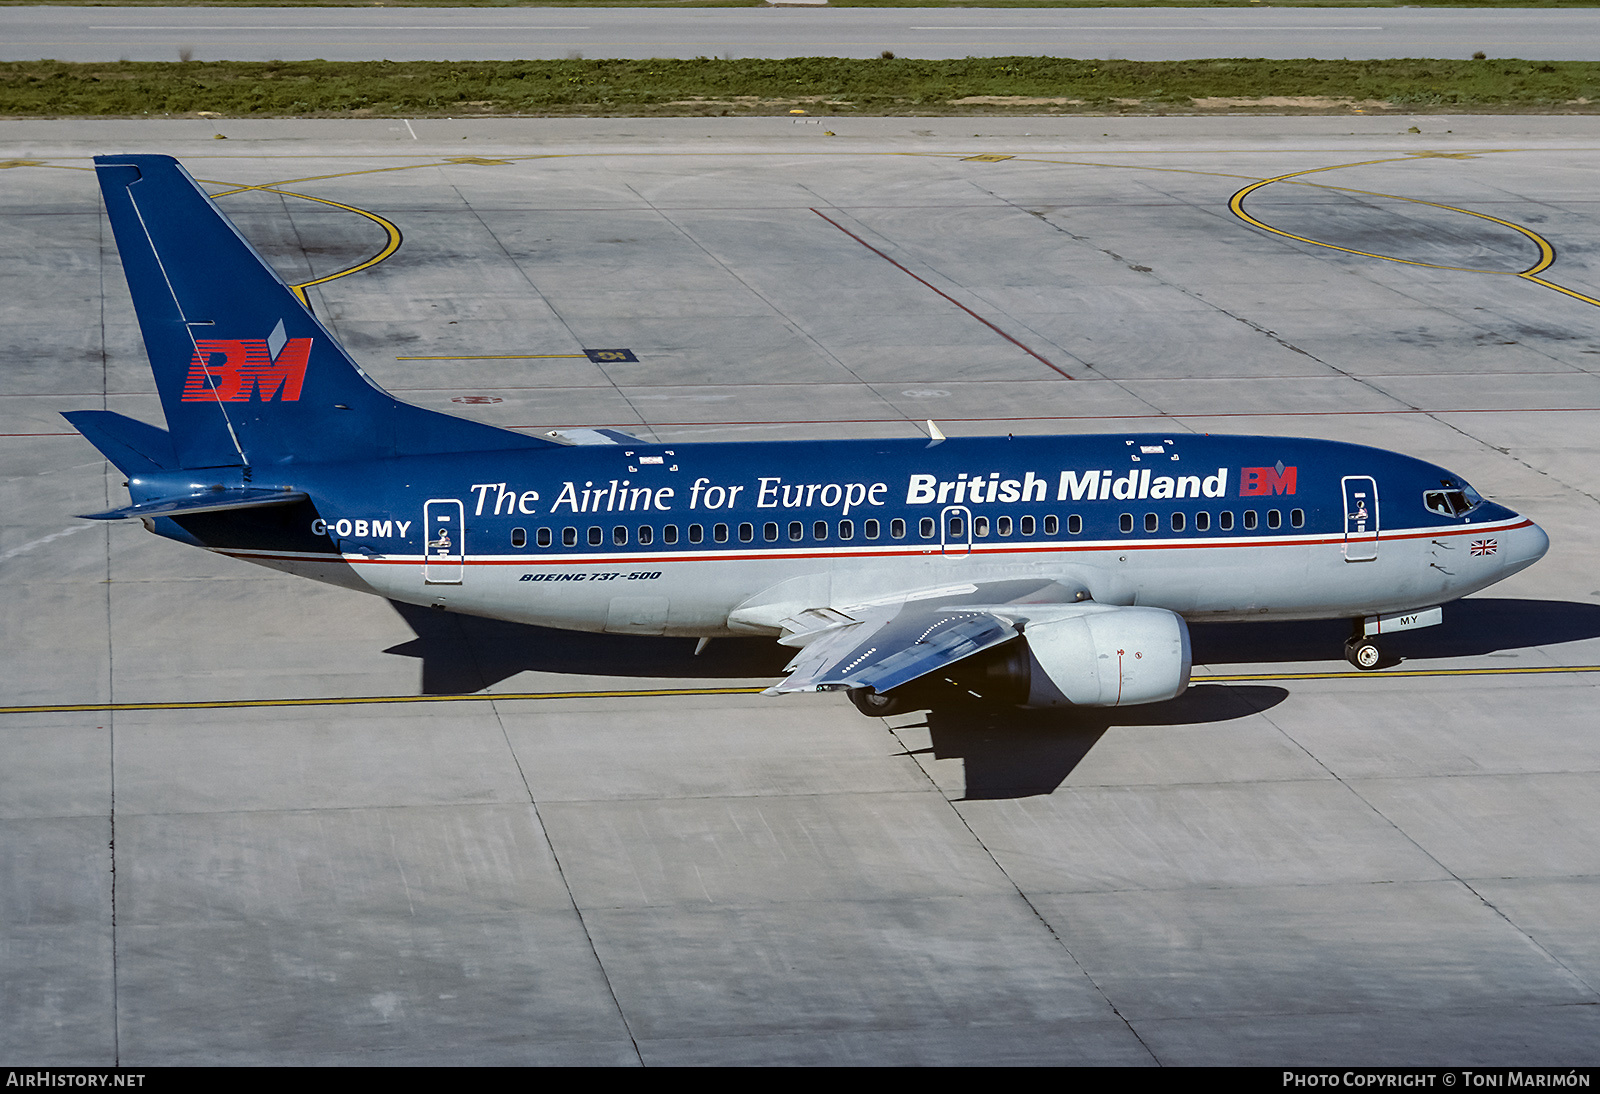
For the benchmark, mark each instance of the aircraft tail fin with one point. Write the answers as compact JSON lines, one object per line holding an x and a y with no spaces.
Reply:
{"x":247,"y":375}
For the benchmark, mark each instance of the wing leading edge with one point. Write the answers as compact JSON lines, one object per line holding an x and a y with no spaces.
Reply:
{"x":888,"y":647}
{"x":887,"y":643}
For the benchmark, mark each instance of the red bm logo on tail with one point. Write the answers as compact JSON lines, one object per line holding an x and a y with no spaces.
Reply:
{"x":1266,"y":480}
{"x":230,"y":370}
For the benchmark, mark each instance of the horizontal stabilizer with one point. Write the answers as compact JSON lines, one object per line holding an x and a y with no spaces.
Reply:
{"x":210,"y":501}
{"x":131,"y":446}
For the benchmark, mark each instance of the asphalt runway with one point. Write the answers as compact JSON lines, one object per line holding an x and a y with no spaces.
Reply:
{"x":245,"y":818}
{"x":437,"y":34}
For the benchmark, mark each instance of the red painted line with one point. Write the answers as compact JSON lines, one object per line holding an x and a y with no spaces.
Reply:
{"x":941,"y":292}
{"x":1054,"y":547}
{"x":713,"y":423}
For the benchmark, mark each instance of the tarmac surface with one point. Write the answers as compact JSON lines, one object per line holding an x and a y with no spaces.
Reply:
{"x":245,"y":818}
{"x":441,"y":34}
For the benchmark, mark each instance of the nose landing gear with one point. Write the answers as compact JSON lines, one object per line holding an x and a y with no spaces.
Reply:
{"x":1363,"y":653}
{"x":1360,"y":650}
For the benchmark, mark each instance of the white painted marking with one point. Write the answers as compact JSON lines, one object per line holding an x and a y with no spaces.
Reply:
{"x":26,"y":547}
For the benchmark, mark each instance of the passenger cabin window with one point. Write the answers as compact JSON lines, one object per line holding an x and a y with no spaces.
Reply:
{"x":957,"y":527}
{"x":1177,"y":522}
{"x":797,"y":531}
{"x":1026,"y":524}
{"x":1274,"y":519}
{"x":980,"y":526}
{"x":847,"y":529}
{"x":819,"y":530}
{"x":544,"y":537}
{"x":696,"y":533}
{"x":1249,"y":519}
{"x":1297,"y":517}
{"x":769,"y":532}
{"x":897,"y":528}
{"x":669,"y":534}
{"x":1002,"y":526}
{"x":1152,"y":523}
{"x":926,"y":527}
{"x":1051,"y":525}
{"x":569,"y":537}
{"x":1202,"y":522}
{"x":1074,"y":524}
{"x":519,"y":537}
{"x":1225,"y":521}
{"x":619,"y":535}
{"x":647,"y":535}
{"x":869,"y":528}
{"x":597,"y":535}
{"x":719,"y":532}
{"x":747,"y":532}
{"x":1127,"y":522}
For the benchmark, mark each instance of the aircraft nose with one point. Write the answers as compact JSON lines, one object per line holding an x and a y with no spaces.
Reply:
{"x":1527,"y":546}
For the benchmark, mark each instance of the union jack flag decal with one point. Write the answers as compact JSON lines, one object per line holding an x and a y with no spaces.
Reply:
{"x":1482,"y":547}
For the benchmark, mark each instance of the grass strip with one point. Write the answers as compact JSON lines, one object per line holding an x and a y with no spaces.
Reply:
{"x":640,"y":3}
{"x":1258,"y":4}
{"x":822,"y":85}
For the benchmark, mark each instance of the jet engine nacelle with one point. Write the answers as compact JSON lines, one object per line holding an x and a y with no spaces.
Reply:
{"x":1099,"y":655}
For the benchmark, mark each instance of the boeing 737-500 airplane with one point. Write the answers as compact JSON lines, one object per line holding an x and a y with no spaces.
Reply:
{"x":1033,"y":571}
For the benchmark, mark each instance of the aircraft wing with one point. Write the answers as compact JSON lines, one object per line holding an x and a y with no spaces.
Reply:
{"x":886,"y":646}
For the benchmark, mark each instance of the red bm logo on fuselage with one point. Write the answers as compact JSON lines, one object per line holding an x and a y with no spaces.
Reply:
{"x":1254,"y":481}
{"x":230,"y":370}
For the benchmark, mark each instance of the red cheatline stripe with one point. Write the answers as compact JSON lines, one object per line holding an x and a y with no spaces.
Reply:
{"x":942,"y":293}
{"x":925,"y":550}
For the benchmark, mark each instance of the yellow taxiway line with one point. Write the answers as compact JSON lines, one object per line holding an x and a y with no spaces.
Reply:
{"x":368,"y":700}
{"x":1547,"y":252}
{"x":650,"y":693}
{"x":492,"y":357}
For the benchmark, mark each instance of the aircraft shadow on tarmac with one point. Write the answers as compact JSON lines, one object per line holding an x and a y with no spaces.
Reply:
{"x":1005,"y":753}
{"x":461,"y":653}
{"x":1013,"y":754}
{"x":1022,"y":753}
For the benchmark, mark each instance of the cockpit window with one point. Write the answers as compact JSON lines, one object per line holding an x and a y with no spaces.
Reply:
{"x":1452,"y":500}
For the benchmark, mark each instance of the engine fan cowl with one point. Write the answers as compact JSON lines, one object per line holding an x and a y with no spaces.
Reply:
{"x":1099,"y":655}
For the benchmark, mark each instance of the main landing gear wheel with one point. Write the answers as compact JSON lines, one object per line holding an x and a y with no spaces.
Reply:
{"x":874,"y":705}
{"x":1363,"y":653}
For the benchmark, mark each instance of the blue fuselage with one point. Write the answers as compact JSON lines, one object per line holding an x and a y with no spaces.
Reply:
{"x":684,"y":535}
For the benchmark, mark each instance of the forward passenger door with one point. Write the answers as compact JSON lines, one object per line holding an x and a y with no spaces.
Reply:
{"x":1360,"y":518}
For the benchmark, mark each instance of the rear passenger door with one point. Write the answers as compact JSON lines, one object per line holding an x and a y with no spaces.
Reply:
{"x":445,"y":546}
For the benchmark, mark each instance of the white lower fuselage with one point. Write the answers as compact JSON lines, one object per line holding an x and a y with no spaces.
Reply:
{"x":671,"y":591}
